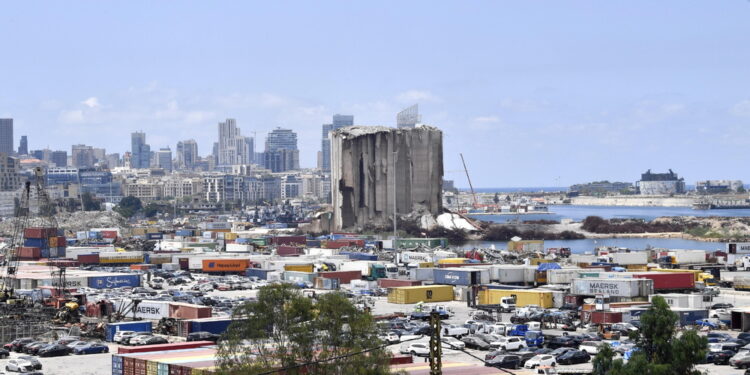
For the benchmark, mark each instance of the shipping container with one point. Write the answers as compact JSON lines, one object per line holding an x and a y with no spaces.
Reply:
{"x":289,"y":240}
{"x":612,"y":287}
{"x":363,"y":256}
{"x":687,"y":256}
{"x":535,"y":246}
{"x":509,"y":273}
{"x":116,"y":365}
{"x":224,"y":265}
{"x":669,"y":281}
{"x":179,"y":310}
{"x":116,"y":281}
{"x":605,"y":317}
{"x":88,"y":259}
{"x":145,"y":310}
{"x":422,"y":274}
{"x":414,"y":294}
{"x":112,"y":328}
{"x":307,"y":267}
{"x":214,"y":325}
{"x":326,"y":283}
{"x":32,"y":253}
{"x":41,"y":243}
{"x":39,"y":233}
{"x":524,"y":297}
{"x":121,"y":257}
{"x":257,"y":272}
{"x":394,"y":283}
{"x":345,"y":277}
{"x":164,"y":347}
{"x":295,"y":276}
{"x":631,"y":258}
{"x":688,"y":317}
{"x":338,"y":244}
{"x":456,"y":276}
{"x":70,"y":282}
{"x":239,"y":248}
{"x":562,"y":275}
{"x":286,"y":250}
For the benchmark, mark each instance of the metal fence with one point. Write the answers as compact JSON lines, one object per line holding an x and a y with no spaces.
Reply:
{"x":9,"y":333}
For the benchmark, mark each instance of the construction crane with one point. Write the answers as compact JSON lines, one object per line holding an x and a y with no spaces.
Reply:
{"x":473,"y":194}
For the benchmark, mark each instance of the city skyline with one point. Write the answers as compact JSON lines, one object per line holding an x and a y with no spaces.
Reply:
{"x":556,"y":104}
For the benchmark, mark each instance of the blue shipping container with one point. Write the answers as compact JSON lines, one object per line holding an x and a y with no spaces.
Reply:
{"x":313,"y":243}
{"x":257,"y":272}
{"x":45,"y":252}
{"x":688,"y":317}
{"x":242,"y":240}
{"x":119,"y":281}
{"x":214,"y":326}
{"x":184,"y":232}
{"x":453,"y":276}
{"x":126,"y":326}
{"x":36,"y":242}
{"x":116,"y":365}
{"x":94,"y":235}
{"x":362,"y":256}
{"x":154,"y":236}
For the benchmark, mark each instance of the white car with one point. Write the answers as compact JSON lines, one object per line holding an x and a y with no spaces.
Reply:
{"x":455,"y":330}
{"x":138,"y":340}
{"x":590,"y":347}
{"x":391,"y":338}
{"x":509,"y":343}
{"x":19,"y":365}
{"x":540,"y":360}
{"x":120,"y":334}
{"x":416,"y":349}
{"x":453,"y":343}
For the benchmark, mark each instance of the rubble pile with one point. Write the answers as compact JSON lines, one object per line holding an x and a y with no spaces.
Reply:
{"x":74,"y":222}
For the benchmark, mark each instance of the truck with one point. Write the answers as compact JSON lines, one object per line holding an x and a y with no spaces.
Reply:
{"x":370,"y":270}
{"x":534,"y":338}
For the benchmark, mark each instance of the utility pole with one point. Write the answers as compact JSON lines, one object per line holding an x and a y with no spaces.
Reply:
{"x":394,"y":198}
{"x":436,"y":349}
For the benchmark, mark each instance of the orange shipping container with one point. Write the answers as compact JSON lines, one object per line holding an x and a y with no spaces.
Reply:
{"x":225,"y":265}
{"x":53,"y":242}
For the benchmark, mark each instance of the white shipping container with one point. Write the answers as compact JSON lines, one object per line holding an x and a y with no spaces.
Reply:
{"x":507,"y":273}
{"x":562,"y":276}
{"x":324,"y":252}
{"x":70,"y":282}
{"x":582,"y":258}
{"x":170,"y":266}
{"x":74,"y":251}
{"x":239,"y":248}
{"x":612,"y":287}
{"x":422,"y":274}
{"x":676,"y":300}
{"x":688,"y":256}
{"x":635,"y":257}
{"x":416,"y":257}
{"x":484,"y":273}
{"x":144,"y":310}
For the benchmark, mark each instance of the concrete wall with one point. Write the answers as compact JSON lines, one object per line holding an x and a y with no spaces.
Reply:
{"x":363,"y":176}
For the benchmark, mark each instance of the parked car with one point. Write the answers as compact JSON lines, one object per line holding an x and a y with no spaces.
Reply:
{"x":19,"y":344}
{"x":541,"y":360}
{"x":455,"y":330}
{"x":35,"y":362}
{"x":415,"y":349}
{"x":525,"y":354}
{"x":138,"y":340}
{"x":19,"y":365}
{"x":562,"y":342}
{"x":740,"y":360}
{"x":624,"y":328}
{"x":76,"y":344}
{"x":54,"y":350}
{"x":34,"y":347}
{"x":68,"y":339}
{"x":91,"y":348}
{"x":475,"y":342}
{"x":205,"y":336}
{"x":153,"y":340}
{"x":453,"y":343}
{"x":574,"y":356}
{"x":722,"y":357}
{"x":4,"y":353}
{"x":590,"y":347}
{"x":559,"y":352}
{"x":504,"y":361}
{"x":509,"y":343}
{"x":120,"y":335}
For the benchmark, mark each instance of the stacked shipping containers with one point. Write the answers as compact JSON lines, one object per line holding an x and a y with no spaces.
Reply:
{"x":42,"y":243}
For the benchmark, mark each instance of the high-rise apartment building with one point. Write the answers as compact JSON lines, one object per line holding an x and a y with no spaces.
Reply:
{"x":6,"y":135}
{"x":409,"y":117}
{"x":164,"y":159}
{"x":281,"y":151}
{"x":187,"y":154}
{"x":232,"y":148}
{"x":113,"y":160}
{"x":83,"y":156}
{"x":23,"y":146}
{"x":59,"y":158}
{"x":10,"y":180}
{"x":339,"y":121}
{"x":140,"y":157}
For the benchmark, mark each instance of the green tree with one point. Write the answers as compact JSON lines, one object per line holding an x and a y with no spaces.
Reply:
{"x":129,"y":206}
{"x":89,"y":203}
{"x":151,"y":209}
{"x":741,"y":189}
{"x":284,"y":329}
{"x":496,"y":198}
{"x":658,"y":350}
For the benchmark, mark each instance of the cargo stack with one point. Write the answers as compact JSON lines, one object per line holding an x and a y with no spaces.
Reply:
{"x":42,"y":242}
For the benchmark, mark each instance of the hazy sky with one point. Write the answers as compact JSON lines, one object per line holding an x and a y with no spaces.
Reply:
{"x":533,"y":93}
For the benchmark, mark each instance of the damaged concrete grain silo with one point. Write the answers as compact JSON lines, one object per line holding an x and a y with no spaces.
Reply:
{"x":373,"y":165}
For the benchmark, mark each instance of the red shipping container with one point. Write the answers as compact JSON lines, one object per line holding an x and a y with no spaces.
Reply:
{"x":669,"y":280}
{"x":62,"y":241}
{"x":109,"y":234}
{"x":401,"y":359}
{"x":450,"y":265}
{"x":163,"y":347}
{"x":187,"y":311}
{"x":128,"y":366}
{"x":35,"y":233}
{"x":345,"y":277}
{"x":29,"y":252}
{"x":140,"y":366}
{"x":337,"y":244}
{"x":395,"y":283}
{"x":285,"y":250}
{"x":289,"y":240}
{"x":605,"y":317}
{"x":88,"y":259}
